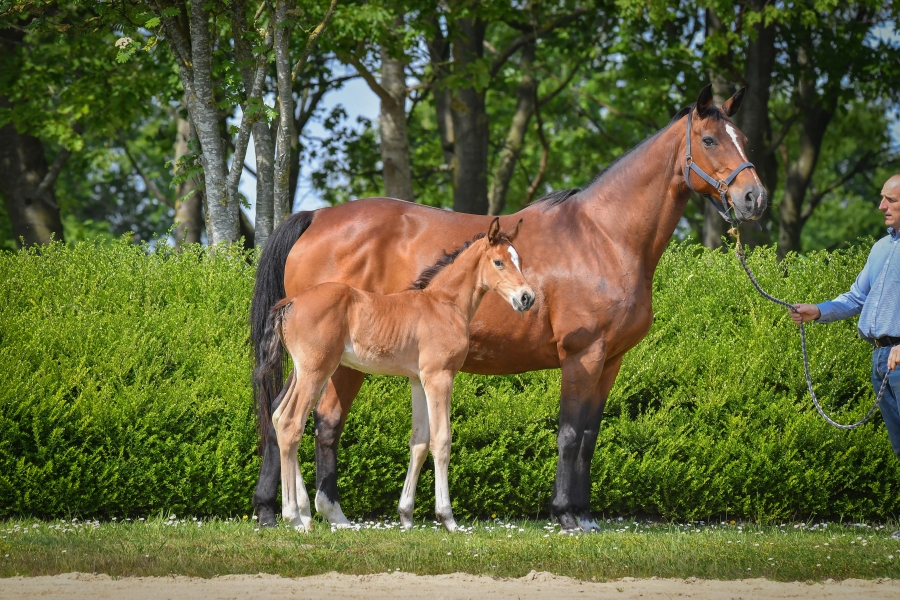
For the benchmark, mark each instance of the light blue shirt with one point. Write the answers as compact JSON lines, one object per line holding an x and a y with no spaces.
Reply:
{"x":875,"y":293}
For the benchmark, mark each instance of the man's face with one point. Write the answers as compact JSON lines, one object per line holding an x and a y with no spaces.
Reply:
{"x":890,"y":202}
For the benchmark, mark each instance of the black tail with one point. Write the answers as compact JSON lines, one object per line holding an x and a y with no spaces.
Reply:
{"x":269,"y":290}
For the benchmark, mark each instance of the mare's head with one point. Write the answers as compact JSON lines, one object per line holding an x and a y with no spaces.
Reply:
{"x":501,"y":268}
{"x":717,"y":148}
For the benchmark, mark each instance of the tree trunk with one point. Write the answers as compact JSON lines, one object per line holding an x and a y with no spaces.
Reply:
{"x":392,"y":121}
{"x":714,"y":226}
{"x":817,"y":115}
{"x":753,"y":118}
{"x":438,"y":55}
{"x":285,"y":136}
{"x":799,"y":174}
{"x":470,"y":124}
{"x":34,"y":215}
{"x":262,"y":136}
{"x":526,"y":95}
{"x":188,"y":208}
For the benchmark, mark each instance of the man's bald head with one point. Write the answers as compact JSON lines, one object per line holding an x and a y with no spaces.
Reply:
{"x":891,"y":187}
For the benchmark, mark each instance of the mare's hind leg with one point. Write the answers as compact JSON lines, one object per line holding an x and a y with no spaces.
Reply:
{"x":438,"y":391}
{"x":418,"y":451}
{"x":289,"y":421}
{"x":330,"y":416}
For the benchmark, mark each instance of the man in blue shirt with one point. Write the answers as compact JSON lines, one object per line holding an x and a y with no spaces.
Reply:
{"x":875,"y":296}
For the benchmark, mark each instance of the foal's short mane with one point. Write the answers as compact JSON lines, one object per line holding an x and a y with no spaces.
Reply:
{"x":428,"y":274}
{"x":558,"y":197}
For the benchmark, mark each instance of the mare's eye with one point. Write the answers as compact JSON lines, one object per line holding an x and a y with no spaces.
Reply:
{"x":709,"y":142}
{"x":498,"y":263}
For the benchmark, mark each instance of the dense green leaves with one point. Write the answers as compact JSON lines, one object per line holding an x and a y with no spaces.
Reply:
{"x":126,"y":390}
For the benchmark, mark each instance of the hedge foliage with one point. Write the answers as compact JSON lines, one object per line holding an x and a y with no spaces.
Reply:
{"x":125,"y":390}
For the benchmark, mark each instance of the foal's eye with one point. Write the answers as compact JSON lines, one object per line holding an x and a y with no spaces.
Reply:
{"x":498,"y":263}
{"x":709,"y":142}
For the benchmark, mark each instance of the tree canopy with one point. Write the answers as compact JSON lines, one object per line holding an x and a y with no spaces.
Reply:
{"x":131,"y":117}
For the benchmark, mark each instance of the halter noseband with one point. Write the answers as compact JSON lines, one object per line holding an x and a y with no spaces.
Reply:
{"x":722,"y":207}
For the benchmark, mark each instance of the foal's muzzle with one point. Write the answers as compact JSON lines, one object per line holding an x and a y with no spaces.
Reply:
{"x":523,"y":300}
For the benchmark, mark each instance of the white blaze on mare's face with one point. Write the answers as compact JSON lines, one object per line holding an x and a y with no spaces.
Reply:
{"x":732,"y":132}
{"x":515,"y":257}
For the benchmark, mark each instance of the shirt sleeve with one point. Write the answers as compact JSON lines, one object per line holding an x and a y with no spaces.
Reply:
{"x":850,"y":303}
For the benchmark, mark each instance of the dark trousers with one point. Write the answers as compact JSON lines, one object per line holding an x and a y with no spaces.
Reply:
{"x":890,"y":402}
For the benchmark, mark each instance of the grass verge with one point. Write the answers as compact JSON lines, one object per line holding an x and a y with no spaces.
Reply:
{"x":206,"y":548}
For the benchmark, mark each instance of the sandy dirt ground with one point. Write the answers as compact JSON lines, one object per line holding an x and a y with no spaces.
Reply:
{"x":400,"y":586}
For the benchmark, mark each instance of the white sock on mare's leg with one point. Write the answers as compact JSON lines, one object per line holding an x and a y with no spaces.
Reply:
{"x":331,"y":511}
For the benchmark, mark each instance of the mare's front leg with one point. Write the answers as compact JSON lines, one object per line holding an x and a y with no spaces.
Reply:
{"x":418,"y":451}
{"x":289,"y":421}
{"x":578,"y":409}
{"x":438,"y":392}
{"x":266,"y":492}
{"x":330,"y":417}
{"x":581,"y":494}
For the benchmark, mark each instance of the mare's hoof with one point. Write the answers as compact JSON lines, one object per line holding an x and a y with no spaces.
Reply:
{"x":266,"y":516}
{"x":568,"y":522}
{"x":587,"y":523}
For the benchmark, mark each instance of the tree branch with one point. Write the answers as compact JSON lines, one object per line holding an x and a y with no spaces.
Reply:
{"x":312,"y":40}
{"x":148,"y":183}
{"x":816,"y":198}
{"x":52,"y":175}
{"x":367,"y":76}
{"x":615,"y":111}
{"x":545,"y":153}
{"x":526,"y":38}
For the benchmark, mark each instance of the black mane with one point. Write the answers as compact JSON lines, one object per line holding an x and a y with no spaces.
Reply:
{"x":428,"y":274}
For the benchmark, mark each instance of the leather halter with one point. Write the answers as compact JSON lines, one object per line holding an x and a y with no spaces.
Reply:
{"x":722,"y":207}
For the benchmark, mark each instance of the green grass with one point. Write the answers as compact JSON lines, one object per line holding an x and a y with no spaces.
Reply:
{"x":163,"y":546}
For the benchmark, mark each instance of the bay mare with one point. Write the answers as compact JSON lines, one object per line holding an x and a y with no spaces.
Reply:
{"x":421,"y":333}
{"x":591,"y":258}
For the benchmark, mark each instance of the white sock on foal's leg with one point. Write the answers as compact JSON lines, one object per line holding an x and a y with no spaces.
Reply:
{"x":418,"y":452}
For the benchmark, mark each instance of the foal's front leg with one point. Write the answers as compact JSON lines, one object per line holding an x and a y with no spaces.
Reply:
{"x":418,"y":451}
{"x":289,"y":421}
{"x":438,"y":391}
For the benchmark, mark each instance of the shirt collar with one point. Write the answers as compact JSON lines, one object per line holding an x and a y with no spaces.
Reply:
{"x":893,"y":232}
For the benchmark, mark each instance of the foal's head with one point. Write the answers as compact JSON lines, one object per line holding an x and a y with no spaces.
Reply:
{"x":718,"y":147}
{"x":501,"y":268}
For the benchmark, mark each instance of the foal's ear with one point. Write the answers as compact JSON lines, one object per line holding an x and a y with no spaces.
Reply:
{"x":733,"y":104}
{"x":704,"y":100}
{"x":493,"y":234}
{"x":512,"y":233}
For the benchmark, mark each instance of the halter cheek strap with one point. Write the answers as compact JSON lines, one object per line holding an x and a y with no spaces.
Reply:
{"x":724,"y":206}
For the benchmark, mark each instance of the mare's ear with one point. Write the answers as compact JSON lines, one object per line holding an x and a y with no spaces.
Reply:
{"x":512,"y":233}
{"x":493,"y":234}
{"x":704,"y":100}
{"x":733,"y":104}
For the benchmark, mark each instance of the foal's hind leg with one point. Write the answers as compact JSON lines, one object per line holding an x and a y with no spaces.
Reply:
{"x":290,"y":420}
{"x":438,"y":391}
{"x":418,"y":451}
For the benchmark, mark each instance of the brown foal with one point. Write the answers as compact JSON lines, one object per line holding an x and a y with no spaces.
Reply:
{"x":421,"y":333}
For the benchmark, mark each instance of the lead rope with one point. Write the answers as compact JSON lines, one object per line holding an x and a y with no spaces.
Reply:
{"x":739,"y":251}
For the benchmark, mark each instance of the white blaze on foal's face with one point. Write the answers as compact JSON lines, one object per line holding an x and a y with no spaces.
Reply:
{"x":515,"y":257}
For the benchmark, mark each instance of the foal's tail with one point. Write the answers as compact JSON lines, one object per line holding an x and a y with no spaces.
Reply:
{"x":270,"y":351}
{"x":268,"y":375}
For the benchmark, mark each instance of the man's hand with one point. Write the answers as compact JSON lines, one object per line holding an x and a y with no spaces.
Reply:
{"x":806,"y":312}
{"x":894,"y":358}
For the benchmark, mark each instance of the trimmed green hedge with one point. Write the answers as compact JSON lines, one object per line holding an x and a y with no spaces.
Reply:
{"x":125,"y":390}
